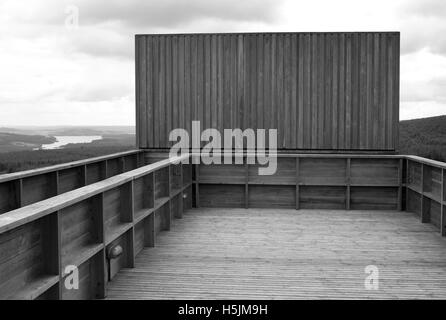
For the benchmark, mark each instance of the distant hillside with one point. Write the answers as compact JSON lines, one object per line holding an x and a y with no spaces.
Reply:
{"x":24,"y":160}
{"x":17,"y":142}
{"x":424,"y":137}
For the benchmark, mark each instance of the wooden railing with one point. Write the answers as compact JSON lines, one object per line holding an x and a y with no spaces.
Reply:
{"x":307,"y":181}
{"x":426,"y":190}
{"x":26,"y":187}
{"x":40,"y":243}
{"x":80,"y":227}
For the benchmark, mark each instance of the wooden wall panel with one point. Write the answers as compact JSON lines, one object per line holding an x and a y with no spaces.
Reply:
{"x":374,"y":198}
{"x":321,"y":91}
{"x":17,"y":266}
{"x":316,"y":197}
{"x":222,"y":196}
{"x":272,"y":197}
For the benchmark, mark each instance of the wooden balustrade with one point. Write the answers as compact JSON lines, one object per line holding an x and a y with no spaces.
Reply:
{"x":304,"y":181}
{"x":40,"y":242}
{"x":26,"y":187}
{"x":426,"y":192}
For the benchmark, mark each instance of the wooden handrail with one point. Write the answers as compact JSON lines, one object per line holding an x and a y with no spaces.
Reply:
{"x":434,"y":163}
{"x":23,"y":174}
{"x":18,"y":217}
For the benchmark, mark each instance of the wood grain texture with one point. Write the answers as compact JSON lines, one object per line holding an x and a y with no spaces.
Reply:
{"x":321,"y":91}
{"x":288,"y":254}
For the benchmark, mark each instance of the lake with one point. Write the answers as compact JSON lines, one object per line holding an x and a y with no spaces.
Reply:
{"x":64,"y":140}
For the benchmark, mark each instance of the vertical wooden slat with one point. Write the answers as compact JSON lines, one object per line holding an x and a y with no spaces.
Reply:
{"x":400,"y":187}
{"x":18,"y":193}
{"x":51,"y":243}
{"x":423,"y":213}
{"x":197,"y":185}
{"x":246,"y":183}
{"x":407,"y":184}
{"x":348,"y":193}
{"x":297,"y":183}
{"x":98,"y":219}
{"x":443,"y":203}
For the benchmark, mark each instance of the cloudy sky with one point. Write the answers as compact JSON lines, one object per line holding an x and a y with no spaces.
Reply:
{"x":52,"y":73}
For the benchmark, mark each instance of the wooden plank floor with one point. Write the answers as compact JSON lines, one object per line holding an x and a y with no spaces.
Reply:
{"x":288,"y":254}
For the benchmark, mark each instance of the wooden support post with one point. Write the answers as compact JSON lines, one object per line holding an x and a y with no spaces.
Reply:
{"x":423,"y":213}
{"x":246,"y":183}
{"x":101,"y":281}
{"x":83,"y":173}
{"x":54,"y":184}
{"x":52,"y":252}
{"x":121,"y":164}
{"x":149,"y":231}
{"x":127,"y":215}
{"x":297,"y":183}
{"x":140,"y":159}
{"x":180,"y":195}
{"x":104,"y":170}
{"x":443,"y":203}
{"x":197,"y":186}
{"x":348,"y":172}
{"x":407,"y":184}
{"x":99,"y":226}
{"x":400,"y":187}
{"x":18,"y":193}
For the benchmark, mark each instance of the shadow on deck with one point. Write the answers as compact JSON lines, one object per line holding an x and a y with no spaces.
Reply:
{"x":288,"y":254}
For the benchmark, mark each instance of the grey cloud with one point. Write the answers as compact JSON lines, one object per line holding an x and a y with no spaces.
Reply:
{"x":423,"y":25}
{"x":425,"y":8}
{"x":123,"y":19}
{"x":174,"y":13}
{"x":155,"y":13}
{"x":106,"y":92}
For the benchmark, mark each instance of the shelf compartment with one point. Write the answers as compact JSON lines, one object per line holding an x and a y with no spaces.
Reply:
{"x":187,"y":197}
{"x":29,"y":261}
{"x":187,"y":174}
{"x":9,"y":196}
{"x":374,"y":172}
{"x":162,"y":218}
{"x":91,"y":279}
{"x":96,"y":172}
{"x":176,"y":180}
{"x":143,"y":196}
{"x":222,"y":196}
{"x":431,"y":212}
{"x":413,"y":202}
{"x":36,"y":288}
{"x":117,"y":232}
{"x":432,"y":179}
{"x":284,"y":175}
{"x":221,"y":174}
{"x":81,"y":231}
{"x":322,"y":172}
{"x":144,"y":234}
{"x":125,"y":240}
{"x":39,"y":187}
{"x":118,"y":211}
{"x":162,"y":182}
{"x":176,"y":206}
{"x":374,"y":198}
{"x":414,"y":176}
{"x":70,"y":179}
{"x":267,"y":196}
{"x":114,"y":167}
{"x":322,"y":197}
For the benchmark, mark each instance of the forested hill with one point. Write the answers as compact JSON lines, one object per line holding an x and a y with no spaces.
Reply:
{"x":424,"y":137}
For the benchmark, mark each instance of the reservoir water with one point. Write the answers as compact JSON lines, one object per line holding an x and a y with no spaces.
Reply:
{"x":64,"y":140}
